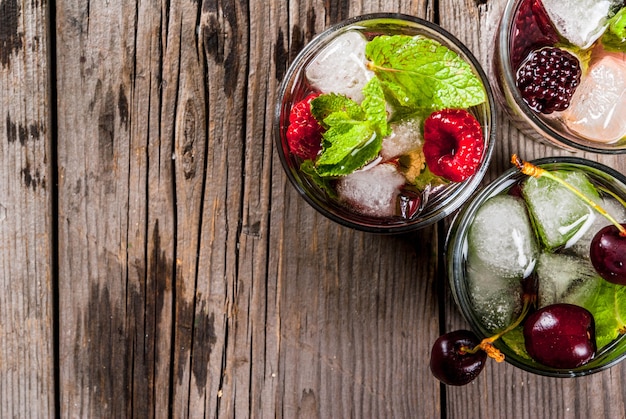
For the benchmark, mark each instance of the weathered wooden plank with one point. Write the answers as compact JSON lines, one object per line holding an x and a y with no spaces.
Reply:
{"x":151,"y":53}
{"x":356,"y":312}
{"x":116,"y":208}
{"x":26,"y":224}
{"x":150,"y":256}
{"x":209,"y":156}
{"x":93,"y":156}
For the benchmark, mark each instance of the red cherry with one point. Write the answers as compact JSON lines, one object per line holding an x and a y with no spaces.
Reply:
{"x":608,"y":254}
{"x":451,"y":363}
{"x":560,"y":336}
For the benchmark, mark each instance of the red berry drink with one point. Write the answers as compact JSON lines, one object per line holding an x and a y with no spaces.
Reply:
{"x":385,"y":123}
{"x":561,"y":70}
{"x":527,"y":238}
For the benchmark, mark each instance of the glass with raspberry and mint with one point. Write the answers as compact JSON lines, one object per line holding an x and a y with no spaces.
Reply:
{"x":561,"y":71}
{"x":385,"y":123}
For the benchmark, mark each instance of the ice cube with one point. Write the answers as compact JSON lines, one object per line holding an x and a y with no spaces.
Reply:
{"x":406,"y":136}
{"x":581,"y":22}
{"x":557,"y":212}
{"x":596,"y":110}
{"x":580,"y":246}
{"x":373,"y":191}
{"x":564,"y":279}
{"x":501,"y":238}
{"x":496,"y":301}
{"x":341,"y":67}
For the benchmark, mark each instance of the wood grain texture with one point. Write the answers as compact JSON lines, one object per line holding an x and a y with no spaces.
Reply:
{"x":353,"y":306}
{"x":26,"y":192}
{"x":116,"y":208}
{"x":192,"y":279}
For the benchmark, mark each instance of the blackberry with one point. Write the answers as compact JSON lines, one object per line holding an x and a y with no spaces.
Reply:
{"x":548,"y":78}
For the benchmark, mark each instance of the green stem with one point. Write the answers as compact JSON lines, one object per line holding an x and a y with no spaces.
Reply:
{"x":527,"y":300}
{"x":373,"y":67}
{"x":537,"y":172}
{"x":614,"y":195}
{"x":487,"y":343}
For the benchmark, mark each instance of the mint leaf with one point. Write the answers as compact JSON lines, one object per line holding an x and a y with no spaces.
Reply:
{"x":347,"y":146}
{"x":614,"y":38}
{"x":354,"y":132}
{"x":514,"y":339}
{"x":421,"y":73}
{"x":608,"y":306}
{"x":329,"y":104}
{"x":428,"y":179}
{"x":375,"y":107}
{"x":307,"y":167}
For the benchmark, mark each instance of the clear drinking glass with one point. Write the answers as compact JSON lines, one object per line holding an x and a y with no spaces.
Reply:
{"x":433,"y":206}
{"x":525,"y":27}
{"x":458,"y":264}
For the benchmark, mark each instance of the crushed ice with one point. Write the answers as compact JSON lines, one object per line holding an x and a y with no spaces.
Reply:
{"x":341,"y":67}
{"x":372,"y":192}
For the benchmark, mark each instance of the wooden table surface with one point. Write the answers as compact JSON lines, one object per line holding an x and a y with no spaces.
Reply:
{"x":155,"y":261}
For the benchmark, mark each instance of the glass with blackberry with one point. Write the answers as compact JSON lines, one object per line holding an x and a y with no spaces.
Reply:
{"x":560,"y":69}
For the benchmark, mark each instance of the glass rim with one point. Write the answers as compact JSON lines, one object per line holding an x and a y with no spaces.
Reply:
{"x":542,"y":128}
{"x":449,"y":201}
{"x":454,"y":246}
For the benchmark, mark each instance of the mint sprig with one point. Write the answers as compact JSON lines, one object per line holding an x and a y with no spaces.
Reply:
{"x":325,"y":184}
{"x":420,"y":73}
{"x":414,"y":75}
{"x":608,"y":306}
{"x":354,"y":132}
{"x":614,"y":38}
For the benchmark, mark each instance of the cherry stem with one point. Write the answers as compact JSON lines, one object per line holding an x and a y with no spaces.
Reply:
{"x":537,"y":172}
{"x":487,"y":343}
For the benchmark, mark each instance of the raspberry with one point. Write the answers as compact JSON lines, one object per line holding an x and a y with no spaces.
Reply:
{"x":304,"y":134}
{"x":548,"y":79}
{"x":532,"y":29}
{"x":453,"y":144}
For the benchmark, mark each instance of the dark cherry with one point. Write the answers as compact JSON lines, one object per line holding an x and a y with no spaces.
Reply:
{"x":560,"y":336}
{"x":409,"y":203}
{"x":451,"y":364}
{"x":516,"y":190}
{"x":608,"y":254}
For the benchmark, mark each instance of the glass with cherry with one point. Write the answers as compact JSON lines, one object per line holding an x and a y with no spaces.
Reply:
{"x":537,"y":265}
